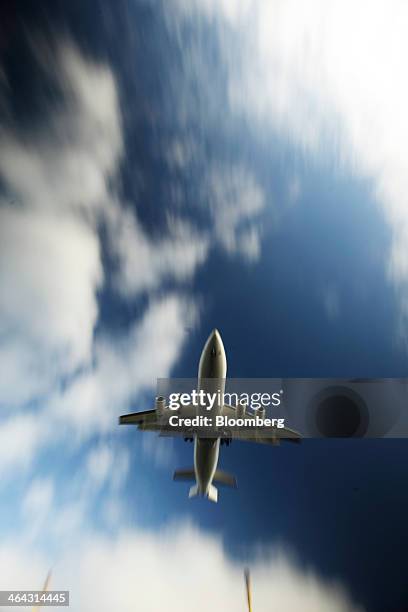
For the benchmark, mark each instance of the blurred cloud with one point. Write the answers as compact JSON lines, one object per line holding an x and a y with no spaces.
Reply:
{"x":180,"y":152}
{"x":19,"y":565}
{"x":49,"y":270}
{"x":61,"y":182}
{"x":99,"y":464}
{"x":330,"y":78}
{"x":231,"y":10}
{"x":21,"y":436}
{"x":65,"y":168}
{"x":37,"y":504}
{"x":54,"y":510}
{"x":144,"y":262}
{"x":236,"y":200}
{"x":60,"y":186}
{"x":50,"y":252}
{"x":106,"y":464}
{"x":39,"y":497}
{"x":124,"y":366}
{"x":159,"y":450}
{"x":169,"y":569}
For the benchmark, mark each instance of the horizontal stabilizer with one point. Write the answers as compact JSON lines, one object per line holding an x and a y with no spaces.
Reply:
{"x":223,"y":478}
{"x":212,"y":494}
{"x":184,"y":474}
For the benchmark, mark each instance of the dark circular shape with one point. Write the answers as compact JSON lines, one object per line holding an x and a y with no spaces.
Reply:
{"x":338,"y":412}
{"x":338,"y":416}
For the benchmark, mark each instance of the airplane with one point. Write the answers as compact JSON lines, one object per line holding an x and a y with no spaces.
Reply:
{"x":212,"y":373}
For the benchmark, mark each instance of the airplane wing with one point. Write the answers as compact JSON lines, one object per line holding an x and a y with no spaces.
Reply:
{"x":260,"y":434}
{"x":149,"y":420}
{"x":138,"y":418}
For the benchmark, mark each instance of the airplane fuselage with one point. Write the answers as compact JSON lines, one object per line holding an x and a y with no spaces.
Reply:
{"x":212,"y":372}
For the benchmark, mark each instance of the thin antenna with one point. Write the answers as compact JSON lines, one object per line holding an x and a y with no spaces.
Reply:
{"x":248,"y":589}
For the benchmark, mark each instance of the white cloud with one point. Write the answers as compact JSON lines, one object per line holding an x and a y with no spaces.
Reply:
{"x":236,"y":201}
{"x":179,"y":153}
{"x":18,"y":566}
{"x":49,"y":271}
{"x":171,"y":574}
{"x":57,"y":511}
{"x":68,"y":521}
{"x":145,"y":262}
{"x":105,"y":464}
{"x":37,"y":505}
{"x":125,"y":366}
{"x":113,"y":512}
{"x":66,"y":168}
{"x":39,"y":496}
{"x":234,"y":11}
{"x":159,"y":450}
{"x":99,"y":464}
{"x":49,"y":246}
{"x":330,"y":77}
{"x":21,"y":436}
{"x":49,"y":251}
{"x":61,"y":181}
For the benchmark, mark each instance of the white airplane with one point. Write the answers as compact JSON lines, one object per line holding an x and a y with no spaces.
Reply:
{"x":212,"y":372}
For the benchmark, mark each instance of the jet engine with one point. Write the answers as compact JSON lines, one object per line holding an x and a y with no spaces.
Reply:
{"x":160,"y":405}
{"x":241,"y":410}
{"x":260,"y":412}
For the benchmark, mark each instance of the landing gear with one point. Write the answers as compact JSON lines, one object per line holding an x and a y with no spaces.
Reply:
{"x":226,"y":441}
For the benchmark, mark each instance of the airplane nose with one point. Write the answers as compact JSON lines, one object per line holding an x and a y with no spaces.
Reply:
{"x":216,"y":343}
{"x":216,"y":339}
{"x":213,"y":352}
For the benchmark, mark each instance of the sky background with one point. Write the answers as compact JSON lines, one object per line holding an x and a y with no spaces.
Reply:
{"x":167,"y":167}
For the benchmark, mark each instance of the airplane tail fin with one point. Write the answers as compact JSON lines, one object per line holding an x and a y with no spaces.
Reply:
{"x":193,"y":491}
{"x":212,"y":494}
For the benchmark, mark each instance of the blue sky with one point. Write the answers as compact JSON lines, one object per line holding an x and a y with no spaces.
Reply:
{"x":167,"y":168}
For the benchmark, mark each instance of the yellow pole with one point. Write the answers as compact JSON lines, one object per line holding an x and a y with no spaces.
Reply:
{"x":44,"y":589}
{"x":248,"y":589}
